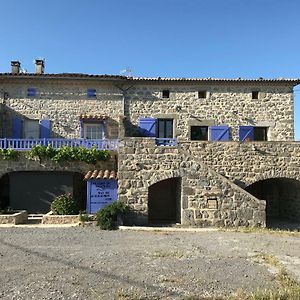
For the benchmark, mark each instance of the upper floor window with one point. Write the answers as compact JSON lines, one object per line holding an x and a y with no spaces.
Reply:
{"x":93,"y":131}
{"x":199,"y":133}
{"x":165,"y":128}
{"x":202,"y":94}
{"x":166,"y":93}
{"x":255,"y":95}
{"x":91,"y":93}
{"x":31,"y":92}
{"x":260,"y":133}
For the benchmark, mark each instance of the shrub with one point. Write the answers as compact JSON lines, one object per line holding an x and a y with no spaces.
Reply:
{"x":8,"y":154}
{"x":65,"y":205}
{"x":67,"y":153}
{"x":107,"y":216}
{"x":84,"y":217}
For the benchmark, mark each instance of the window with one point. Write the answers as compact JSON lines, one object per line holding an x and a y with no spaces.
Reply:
{"x":93,"y":131}
{"x":199,"y":133}
{"x":31,"y":92}
{"x":165,"y":128}
{"x":201,"y":94}
{"x":31,"y":129}
{"x":166,"y":93}
{"x":91,"y":93}
{"x":255,"y":94}
{"x":260,"y":133}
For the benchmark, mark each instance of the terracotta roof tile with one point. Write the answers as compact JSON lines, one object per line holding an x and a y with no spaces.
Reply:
{"x":100,"y":174}
{"x":92,"y":117}
{"x":294,"y":81}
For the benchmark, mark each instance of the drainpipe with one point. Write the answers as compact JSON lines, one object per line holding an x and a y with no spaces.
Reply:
{"x":123,"y":90}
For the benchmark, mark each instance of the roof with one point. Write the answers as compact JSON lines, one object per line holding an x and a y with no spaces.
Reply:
{"x":100,"y":174}
{"x":293,"y":81}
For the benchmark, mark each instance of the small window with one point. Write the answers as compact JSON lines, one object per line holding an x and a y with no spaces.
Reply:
{"x":199,"y":133}
{"x":31,"y":92}
{"x":91,"y":93}
{"x":255,"y":94}
{"x":93,"y":131}
{"x":202,"y":94}
{"x":260,"y":133}
{"x":166,"y":93}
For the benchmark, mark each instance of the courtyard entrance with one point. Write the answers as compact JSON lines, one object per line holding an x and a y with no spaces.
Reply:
{"x":164,"y":201}
{"x":282,"y":197}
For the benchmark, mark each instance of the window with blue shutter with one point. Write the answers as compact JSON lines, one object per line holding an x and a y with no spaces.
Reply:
{"x":147,"y":126}
{"x":17,"y":128}
{"x":246,"y":133}
{"x":91,"y":93}
{"x":31,"y":92}
{"x":45,"y":129}
{"x":219,"y":133}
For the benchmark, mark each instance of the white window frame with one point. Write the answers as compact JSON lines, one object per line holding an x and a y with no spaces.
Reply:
{"x":94,"y":125}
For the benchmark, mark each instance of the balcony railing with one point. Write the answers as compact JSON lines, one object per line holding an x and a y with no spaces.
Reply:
{"x":166,"y":142}
{"x":27,"y":144}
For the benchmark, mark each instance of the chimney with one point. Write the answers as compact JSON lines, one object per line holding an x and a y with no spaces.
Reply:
{"x":39,"y":66}
{"x":15,"y":66}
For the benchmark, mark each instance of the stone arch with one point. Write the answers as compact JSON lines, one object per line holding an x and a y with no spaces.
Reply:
{"x":282,"y":195}
{"x":272,"y":175}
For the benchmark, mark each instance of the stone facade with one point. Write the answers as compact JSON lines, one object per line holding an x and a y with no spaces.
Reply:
{"x":216,"y":178}
{"x":62,"y":101}
{"x":209,"y":171}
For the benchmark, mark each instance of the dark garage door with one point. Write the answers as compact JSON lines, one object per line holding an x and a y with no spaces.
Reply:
{"x":34,"y":191}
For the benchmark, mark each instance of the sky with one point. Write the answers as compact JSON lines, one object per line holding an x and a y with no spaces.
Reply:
{"x":167,"y":38}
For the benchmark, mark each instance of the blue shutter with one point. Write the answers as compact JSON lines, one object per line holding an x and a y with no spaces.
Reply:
{"x":45,"y":127}
{"x":246,"y":133}
{"x":91,"y":93}
{"x":17,"y":128}
{"x":31,"y":92}
{"x":219,"y":133}
{"x":147,"y":126}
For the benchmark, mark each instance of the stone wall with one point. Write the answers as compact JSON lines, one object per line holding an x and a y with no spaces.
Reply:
{"x":62,"y":102}
{"x":213,"y":177}
{"x":230,"y":103}
{"x":247,"y":162}
{"x":207,"y":198}
{"x":226,"y":104}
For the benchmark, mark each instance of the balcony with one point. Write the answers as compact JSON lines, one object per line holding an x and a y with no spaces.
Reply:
{"x":27,"y":144}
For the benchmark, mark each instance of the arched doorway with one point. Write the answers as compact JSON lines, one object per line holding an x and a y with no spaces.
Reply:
{"x":282,"y":197}
{"x":34,"y":191}
{"x":164,"y":201}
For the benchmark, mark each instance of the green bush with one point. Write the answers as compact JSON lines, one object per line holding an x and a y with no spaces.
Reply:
{"x":107,"y":216}
{"x":8,"y":154}
{"x":64,"y":205}
{"x":84,"y":217}
{"x":67,"y":153}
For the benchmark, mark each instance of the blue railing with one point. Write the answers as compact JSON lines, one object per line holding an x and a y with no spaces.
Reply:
{"x":27,"y":144}
{"x":166,"y":142}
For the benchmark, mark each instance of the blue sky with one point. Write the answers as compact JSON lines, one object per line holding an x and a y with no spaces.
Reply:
{"x":173,"y":38}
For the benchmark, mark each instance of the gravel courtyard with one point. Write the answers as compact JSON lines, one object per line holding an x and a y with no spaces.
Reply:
{"x":87,"y":263}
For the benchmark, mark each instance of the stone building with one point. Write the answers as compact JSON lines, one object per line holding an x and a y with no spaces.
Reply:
{"x":199,"y":151}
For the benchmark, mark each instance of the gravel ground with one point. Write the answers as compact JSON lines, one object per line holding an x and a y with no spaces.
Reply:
{"x":87,"y":263}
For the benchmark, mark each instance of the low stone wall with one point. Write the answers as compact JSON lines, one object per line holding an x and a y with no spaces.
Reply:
{"x":16,"y":218}
{"x":49,"y":218}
